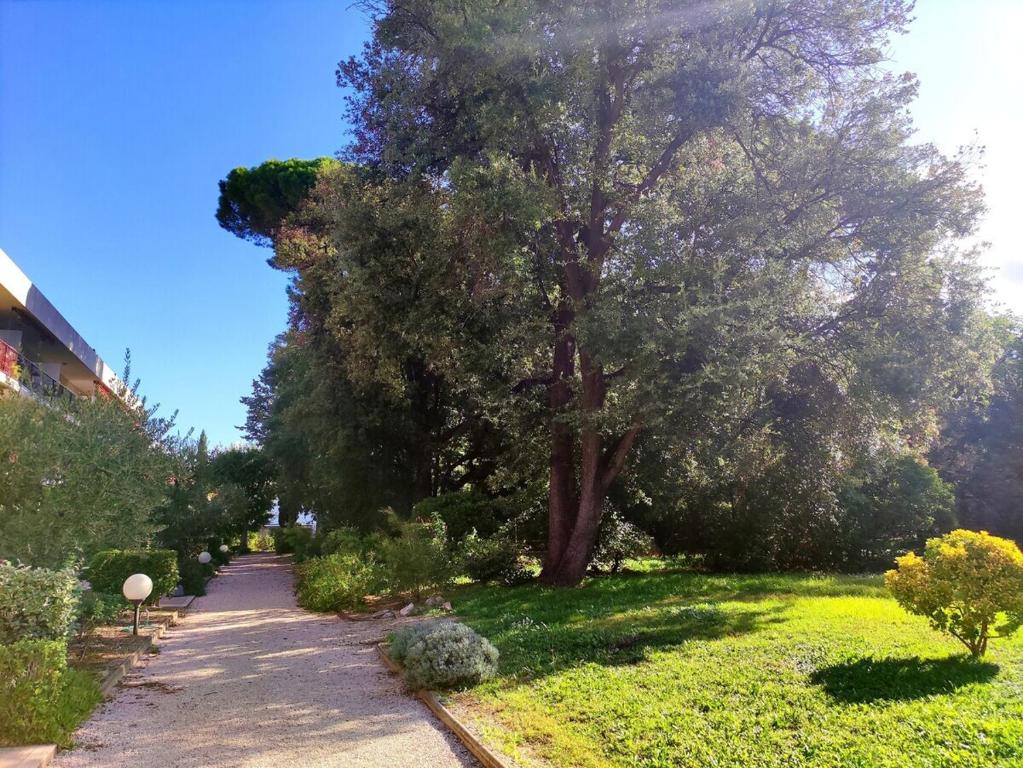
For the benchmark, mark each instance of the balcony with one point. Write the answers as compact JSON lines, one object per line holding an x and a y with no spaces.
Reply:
{"x":30,"y":376}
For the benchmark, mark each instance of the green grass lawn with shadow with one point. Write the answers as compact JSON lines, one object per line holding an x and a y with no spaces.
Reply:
{"x":683,"y":669}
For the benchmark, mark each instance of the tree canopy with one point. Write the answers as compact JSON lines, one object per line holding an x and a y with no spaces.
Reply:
{"x":254,"y":201}
{"x":686,"y":256}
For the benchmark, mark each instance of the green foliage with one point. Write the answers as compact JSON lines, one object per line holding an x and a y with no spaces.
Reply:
{"x":399,"y":641}
{"x":97,"y":609}
{"x":254,"y":202}
{"x":464,"y":511}
{"x":41,"y":700}
{"x":261,"y":541}
{"x":36,"y":603}
{"x":417,"y":560}
{"x":108,"y":570}
{"x":978,"y":450}
{"x":78,"y":477}
{"x":619,"y":540}
{"x":344,"y":541}
{"x":892,"y":511}
{"x":251,"y":472}
{"x":491,"y":559}
{"x":737,"y":671}
{"x":791,"y":506}
{"x":445,"y":655}
{"x":197,"y":507}
{"x":297,"y":540}
{"x":194,"y":576}
{"x":674,"y":226}
{"x":968,"y":584}
{"x":337,"y":582}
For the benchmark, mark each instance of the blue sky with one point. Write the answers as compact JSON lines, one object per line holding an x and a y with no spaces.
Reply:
{"x":117,"y":119}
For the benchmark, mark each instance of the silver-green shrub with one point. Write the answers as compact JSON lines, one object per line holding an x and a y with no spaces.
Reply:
{"x":36,"y":603}
{"x":449,"y":655}
{"x":402,"y":639}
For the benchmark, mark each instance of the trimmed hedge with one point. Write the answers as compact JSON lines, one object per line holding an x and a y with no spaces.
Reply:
{"x":41,"y":700}
{"x":109,"y":568}
{"x":36,"y":603}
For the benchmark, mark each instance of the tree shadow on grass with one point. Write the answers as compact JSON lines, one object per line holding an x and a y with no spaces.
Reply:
{"x":870,"y":679}
{"x":531,"y":650}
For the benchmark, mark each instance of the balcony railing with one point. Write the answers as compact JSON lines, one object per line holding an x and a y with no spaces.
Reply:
{"x":30,"y":375}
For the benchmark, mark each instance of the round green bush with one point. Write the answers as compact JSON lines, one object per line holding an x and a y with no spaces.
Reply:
{"x":401,"y":640}
{"x":449,"y":655}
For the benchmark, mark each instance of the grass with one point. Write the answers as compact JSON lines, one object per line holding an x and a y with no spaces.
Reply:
{"x":682,"y":669}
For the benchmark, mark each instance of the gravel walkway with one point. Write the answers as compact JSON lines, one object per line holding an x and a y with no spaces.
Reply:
{"x":250,"y":680}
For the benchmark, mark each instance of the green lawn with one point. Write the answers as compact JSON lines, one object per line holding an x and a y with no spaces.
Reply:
{"x":681,"y":669}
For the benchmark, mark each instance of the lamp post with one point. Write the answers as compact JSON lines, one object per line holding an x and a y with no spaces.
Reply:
{"x":136,"y":589}
{"x":205,"y":557}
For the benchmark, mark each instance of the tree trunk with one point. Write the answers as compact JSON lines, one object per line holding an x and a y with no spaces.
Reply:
{"x":575,"y":516}
{"x":562,"y":495}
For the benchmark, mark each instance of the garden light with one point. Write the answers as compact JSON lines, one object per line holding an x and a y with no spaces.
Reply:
{"x":205,"y":557}
{"x":224,"y":548}
{"x":136,"y":589}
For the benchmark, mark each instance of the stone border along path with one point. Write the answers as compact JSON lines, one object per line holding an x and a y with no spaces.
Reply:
{"x":249,"y":680}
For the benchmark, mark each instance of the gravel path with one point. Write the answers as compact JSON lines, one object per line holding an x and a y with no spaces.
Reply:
{"x":250,"y":680}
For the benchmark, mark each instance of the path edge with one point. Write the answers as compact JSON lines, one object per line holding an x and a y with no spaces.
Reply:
{"x":480,"y":751}
{"x":115,"y":675}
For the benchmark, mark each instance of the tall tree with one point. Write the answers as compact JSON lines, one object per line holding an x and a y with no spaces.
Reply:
{"x":981,"y":446}
{"x":250,"y":470}
{"x":693,"y":197}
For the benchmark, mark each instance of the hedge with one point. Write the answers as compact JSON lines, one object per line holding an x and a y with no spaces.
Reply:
{"x":41,"y":700}
{"x":109,"y":568}
{"x":36,"y":603}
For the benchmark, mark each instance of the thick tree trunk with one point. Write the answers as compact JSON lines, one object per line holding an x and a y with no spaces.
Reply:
{"x":575,"y":517}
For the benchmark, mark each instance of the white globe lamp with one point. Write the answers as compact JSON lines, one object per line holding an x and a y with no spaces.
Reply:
{"x":205,"y":557}
{"x":136,"y":589}
{"x":224,"y":548}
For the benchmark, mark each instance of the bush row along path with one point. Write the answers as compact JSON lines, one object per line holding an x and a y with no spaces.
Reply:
{"x":249,"y":680}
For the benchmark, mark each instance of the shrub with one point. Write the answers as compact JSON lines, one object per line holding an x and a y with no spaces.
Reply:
{"x":449,"y":655}
{"x":194,"y":576}
{"x":297,"y":540}
{"x":418,"y":559}
{"x":41,"y":700}
{"x":97,"y":609}
{"x":618,"y":540}
{"x":492,"y":559}
{"x":965,"y":583}
{"x":219,"y":558}
{"x":463,"y":512}
{"x":401,"y":640}
{"x":36,"y":603}
{"x":343,"y":541}
{"x":337,"y":582}
{"x":109,"y":568}
{"x":261,"y":542}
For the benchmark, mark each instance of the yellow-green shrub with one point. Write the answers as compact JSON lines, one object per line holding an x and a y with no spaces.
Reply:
{"x":968,"y":584}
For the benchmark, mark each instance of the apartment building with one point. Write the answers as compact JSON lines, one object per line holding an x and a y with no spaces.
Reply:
{"x":41,"y":354}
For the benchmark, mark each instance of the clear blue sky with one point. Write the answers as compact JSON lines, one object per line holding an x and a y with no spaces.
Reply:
{"x":118,"y":118}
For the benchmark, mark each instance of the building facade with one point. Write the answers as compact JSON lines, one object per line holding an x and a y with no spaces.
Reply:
{"x":41,"y":354}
